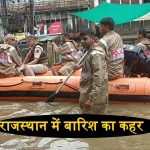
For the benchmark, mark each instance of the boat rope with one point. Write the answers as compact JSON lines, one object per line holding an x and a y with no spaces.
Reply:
{"x":61,"y":81}
{"x":42,"y":82}
{"x":3,"y":85}
{"x":23,"y":81}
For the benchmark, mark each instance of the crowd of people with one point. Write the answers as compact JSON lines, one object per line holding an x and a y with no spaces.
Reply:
{"x":104,"y":61}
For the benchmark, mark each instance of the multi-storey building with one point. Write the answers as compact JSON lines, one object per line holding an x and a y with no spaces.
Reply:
{"x":49,"y":11}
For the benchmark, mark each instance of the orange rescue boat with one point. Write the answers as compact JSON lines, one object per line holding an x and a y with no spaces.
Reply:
{"x":39,"y":88}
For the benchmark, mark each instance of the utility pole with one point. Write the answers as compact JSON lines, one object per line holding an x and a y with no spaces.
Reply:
{"x":32,"y":14}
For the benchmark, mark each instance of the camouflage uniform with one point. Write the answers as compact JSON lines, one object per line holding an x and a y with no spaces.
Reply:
{"x":68,"y":51}
{"x":113,"y":45}
{"x":94,"y":81}
{"x":145,"y":46}
{"x":9,"y":61}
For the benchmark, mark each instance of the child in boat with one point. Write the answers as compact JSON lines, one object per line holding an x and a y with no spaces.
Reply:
{"x":94,"y":78}
{"x":69,"y":56}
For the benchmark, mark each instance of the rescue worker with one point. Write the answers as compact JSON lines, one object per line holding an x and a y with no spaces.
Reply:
{"x":36,"y":61}
{"x":94,"y":77}
{"x":144,"y":43}
{"x":69,"y":56}
{"x":13,"y":43}
{"x":10,"y":62}
{"x":112,"y":43}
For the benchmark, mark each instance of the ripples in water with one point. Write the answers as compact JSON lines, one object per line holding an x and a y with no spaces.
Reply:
{"x":15,"y":142}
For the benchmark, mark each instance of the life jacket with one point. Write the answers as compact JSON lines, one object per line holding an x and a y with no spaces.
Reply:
{"x":43,"y":57}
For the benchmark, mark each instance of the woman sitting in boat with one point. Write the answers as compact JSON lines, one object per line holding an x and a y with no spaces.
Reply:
{"x":10,"y":62}
{"x":69,"y":54}
{"x":35,"y":61}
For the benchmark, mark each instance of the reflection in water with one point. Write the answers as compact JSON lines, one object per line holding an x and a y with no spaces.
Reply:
{"x":15,"y":142}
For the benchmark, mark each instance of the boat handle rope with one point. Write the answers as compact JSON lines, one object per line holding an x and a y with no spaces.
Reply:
{"x":2,"y":85}
{"x":23,"y":81}
{"x":61,"y":81}
{"x":69,"y":85}
{"x":40,"y":82}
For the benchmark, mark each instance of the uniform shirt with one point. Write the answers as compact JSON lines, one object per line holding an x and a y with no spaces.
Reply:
{"x":67,"y":51}
{"x":9,"y":61}
{"x":38,"y":51}
{"x":94,"y":79}
{"x":113,"y":45}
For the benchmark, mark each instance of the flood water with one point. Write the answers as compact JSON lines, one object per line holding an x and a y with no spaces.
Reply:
{"x":17,"y":142}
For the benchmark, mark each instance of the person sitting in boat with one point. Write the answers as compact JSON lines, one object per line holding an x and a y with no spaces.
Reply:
{"x":144,"y":43}
{"x":36,"y":61}
{"x":94,"y":77}
{"x":69,"y":56}
{"x":112,"y":43}
{"x":10,"y":62}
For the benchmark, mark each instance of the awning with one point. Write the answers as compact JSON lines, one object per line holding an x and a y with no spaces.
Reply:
{"x":43,"y":38}
{"x":145,"y":17}
{"x":121,"y":13}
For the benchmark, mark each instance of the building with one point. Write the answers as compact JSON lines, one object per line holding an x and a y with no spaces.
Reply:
{"x":50,"y":11}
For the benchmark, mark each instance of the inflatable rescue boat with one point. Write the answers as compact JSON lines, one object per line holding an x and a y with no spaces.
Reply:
{"x":39,"y":88}
{"x":122,"y":90}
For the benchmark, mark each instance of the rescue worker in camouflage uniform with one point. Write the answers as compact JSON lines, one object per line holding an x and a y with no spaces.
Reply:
{"x":69,"y":55}
{"x":144,"y":43}
{"x":112,"y":43}
{"x":10,"y":62}
{"x":94,"y":77}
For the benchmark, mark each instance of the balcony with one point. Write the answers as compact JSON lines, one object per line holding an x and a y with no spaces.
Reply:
{"x":60,"y":4}
{"x":50,"y":5}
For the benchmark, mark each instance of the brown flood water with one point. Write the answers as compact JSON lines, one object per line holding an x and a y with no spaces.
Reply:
{"x":17,"y":142}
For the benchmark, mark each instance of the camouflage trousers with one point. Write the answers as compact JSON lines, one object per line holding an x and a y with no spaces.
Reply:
{"x":113,"y":76}
{"x":100,"y":106}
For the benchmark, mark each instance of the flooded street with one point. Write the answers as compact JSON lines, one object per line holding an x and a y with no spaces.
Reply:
{"x":18,"y":109}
